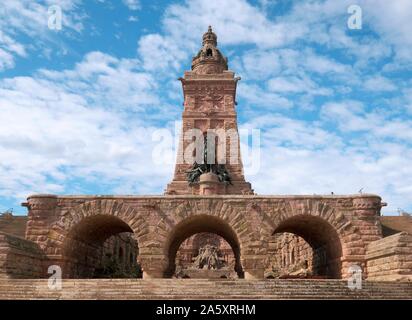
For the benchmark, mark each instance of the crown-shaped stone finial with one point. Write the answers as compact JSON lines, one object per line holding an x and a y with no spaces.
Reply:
{"x":209,"y":60}
{"x":210,"y":37}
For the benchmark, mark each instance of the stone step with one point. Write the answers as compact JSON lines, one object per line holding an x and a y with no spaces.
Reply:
{"x":203,"y":297}
{"x":197,"y":281}
{"x":202,"y":289}
{"x":189,"y":297}
{"x":220,"y":292}
{"x":176,"y":291}
{"x":205,"y":287}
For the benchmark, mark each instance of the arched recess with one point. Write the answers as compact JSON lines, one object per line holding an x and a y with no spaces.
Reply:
{"x":231,"y":214}
{"x":93,"y":248}
{"x":89,"y":224}
{"x":197,"y":224}
{"x":314,"y":219}
{"x":322,"y":238}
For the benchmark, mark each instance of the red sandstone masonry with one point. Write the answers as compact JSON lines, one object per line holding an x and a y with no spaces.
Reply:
{"x":390,"y":258}
{"x":154,"y":219}
{"x":19,"y":258}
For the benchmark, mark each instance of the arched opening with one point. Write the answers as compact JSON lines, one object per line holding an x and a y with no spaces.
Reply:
{"x":199,"y":231}
{"x":98,"y":246}
{"x":209,"y":53}
{"x":306,"y":246}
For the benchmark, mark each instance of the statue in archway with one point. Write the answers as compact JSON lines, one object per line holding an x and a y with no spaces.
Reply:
{"x":208,"y":258}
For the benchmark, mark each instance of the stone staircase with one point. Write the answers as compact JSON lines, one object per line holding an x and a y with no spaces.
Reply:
{"x":139,"y":289}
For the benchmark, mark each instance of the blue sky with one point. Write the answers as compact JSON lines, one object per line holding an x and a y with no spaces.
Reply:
{"x":79,"y":107}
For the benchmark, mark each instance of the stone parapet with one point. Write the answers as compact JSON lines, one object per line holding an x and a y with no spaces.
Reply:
{"x":19,"y":258}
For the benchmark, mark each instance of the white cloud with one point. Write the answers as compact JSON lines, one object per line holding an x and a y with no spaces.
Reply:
{"x":379,"y":83}
{"x":393,"y":21}
{"x":161,"y":53}
{"x":324,"y":65}
{"x":348,"y":115}
{"x":280,"y":130}
{"x":109,"y":82}
{"x":89,"y":123}
{"x":132,"y":4}
{"x":407,"y":100}
{"x":258,"y":64}
{"x":236,"y":22}
{"x":259,"y":98}
{"x":12,"y":45}
{"x":351,"y":116}
{"x":6,"y":60}
{"x":294,"y":84}
{"x":28,"y":18}
{"x":390,"y":20}
{"x":299,"y":157}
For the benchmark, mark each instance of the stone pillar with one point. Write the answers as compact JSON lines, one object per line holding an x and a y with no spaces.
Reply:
{"x":153,"y":266}
{"x":208,"y":184}
{"x":253,"y":267}
{"x":41,"y":211}
{"x":366,"y":214}
{"x":365,"y":219}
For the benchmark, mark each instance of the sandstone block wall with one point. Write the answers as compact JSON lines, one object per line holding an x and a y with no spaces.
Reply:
{"x":246,"y":221}
{"x":19,"y":258}
{"x":11,"y":224}
{"x":390,"y":258}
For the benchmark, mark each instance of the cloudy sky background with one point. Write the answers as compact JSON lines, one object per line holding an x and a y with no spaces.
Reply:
{"x":80,"y":108}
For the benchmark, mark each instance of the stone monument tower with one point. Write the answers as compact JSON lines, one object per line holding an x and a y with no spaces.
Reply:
{"x":209,"y":145}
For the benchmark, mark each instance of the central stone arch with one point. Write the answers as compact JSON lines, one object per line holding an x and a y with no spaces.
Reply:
{"x":224,"y":218}
{"x":198,"y":224}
